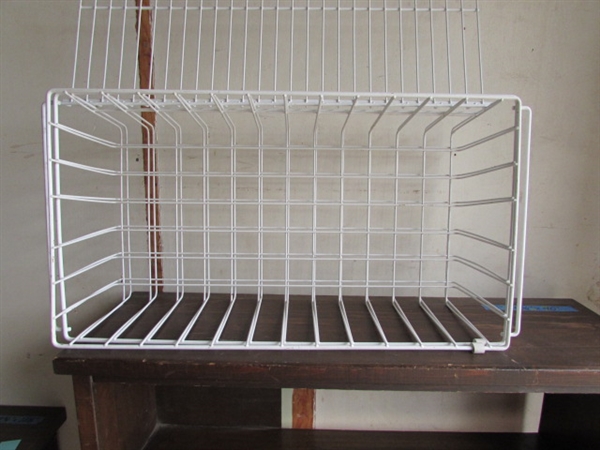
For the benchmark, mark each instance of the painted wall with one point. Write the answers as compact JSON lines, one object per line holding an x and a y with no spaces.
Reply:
{"x":546,"y":52}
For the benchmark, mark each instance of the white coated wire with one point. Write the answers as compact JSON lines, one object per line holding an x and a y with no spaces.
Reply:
{"x":318,"y":150}
{"x":239,"y":253}
{"x":433,"y":45}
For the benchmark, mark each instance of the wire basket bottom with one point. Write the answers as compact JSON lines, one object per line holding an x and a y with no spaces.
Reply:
{"x":224,"y":321}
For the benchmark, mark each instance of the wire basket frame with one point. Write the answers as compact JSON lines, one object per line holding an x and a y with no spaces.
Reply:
{"x":272,"y":191}
{"x":431,"y":46}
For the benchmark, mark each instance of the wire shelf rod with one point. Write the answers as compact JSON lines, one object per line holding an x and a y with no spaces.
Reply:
{"x":66,"y":310}
{"x":88,"y":236}
{"x":274,"y":283}
{"x":82,"y":335}
{"x":344,"y":315}
{"x":224,"y":320}
{"x":456,"y":311}
{"x":252,"y":330}
{"x":192,"y":322}
{"x":161,"y":322}
{"x":480,"y":299}
{"x":406,"y":321}
{"x":242,"y":202}
{"x":130,"y":321}
{"x":223,"y":202}
{"x":436,"y":321}
{"x":276,"y":175}
{"x":376,"y":322}
{"x":87,"y":268}
{"x":271,"y":100}
{"x":279,"y":7}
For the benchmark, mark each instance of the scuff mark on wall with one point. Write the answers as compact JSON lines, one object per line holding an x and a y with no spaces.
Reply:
{"x":593,"y":294}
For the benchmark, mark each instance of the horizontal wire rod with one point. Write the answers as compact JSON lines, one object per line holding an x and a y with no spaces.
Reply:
{"x":164,"y":6}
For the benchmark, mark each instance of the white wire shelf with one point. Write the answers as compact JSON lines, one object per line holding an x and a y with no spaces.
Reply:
{"x":289,"y":45}
{"x":284,"y":174}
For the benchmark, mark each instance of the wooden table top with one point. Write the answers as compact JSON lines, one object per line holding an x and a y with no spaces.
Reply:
{"x":558,"y":351}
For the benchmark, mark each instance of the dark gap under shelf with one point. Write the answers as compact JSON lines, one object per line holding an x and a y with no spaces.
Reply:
{"x":177,"y":437}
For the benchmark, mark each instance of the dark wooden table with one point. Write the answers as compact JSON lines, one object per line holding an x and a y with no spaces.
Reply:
{"x":231,"y":399}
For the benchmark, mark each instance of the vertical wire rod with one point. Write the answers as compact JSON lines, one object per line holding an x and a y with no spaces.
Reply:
{"x":286,"y":294}
{"x":122,"y":52}
{"x":106,"y":49}
{"x":449,"y":218}
{"x":54,"y":186}
{"x":244,"y":65}
{"x":449,"y":60}
{"x":479,"y":47}
{"x":276,"y":47}
{"x":77,"y":41}
{"x":229,"y":44}
{"x":152,"y":15}
{"x":92,"y":34}
{"x":432,"y":40}
{"x":257,"y":309}
{"x":417,"y":58}
{"x":199,"y":47}
{"x":168,"y":50}
{"x":260,"y":43}
{"x":514,"y":229}
{"x":464,"y":45}
{"x":292,"y":48}
{"x":354,"y":64}
{"x":339,"y":49}
{"x":385,"y":49}
{"x":370,"y":48}
{"x":323,"y":47}
{"x":314,"y":224}
{"x":401,"y":46}
{"x":524,"y":168}
{"x":214,"y":49}
{"x":307,"y":47}
{"x":184,"y":33}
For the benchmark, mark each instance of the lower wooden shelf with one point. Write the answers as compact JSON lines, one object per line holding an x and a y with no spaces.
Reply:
{"x":171,"y":437}
{"x":177,"y":437}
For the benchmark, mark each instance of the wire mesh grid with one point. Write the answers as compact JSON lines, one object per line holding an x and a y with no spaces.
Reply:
{"x":289,"y":213}
{"x":289,"y":45}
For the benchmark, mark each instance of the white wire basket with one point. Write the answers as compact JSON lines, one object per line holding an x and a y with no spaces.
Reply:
{"x":286,"y":175}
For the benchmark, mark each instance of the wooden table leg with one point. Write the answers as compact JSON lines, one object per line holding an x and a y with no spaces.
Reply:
{"x":114,"y":416}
